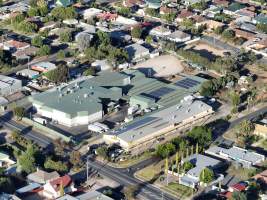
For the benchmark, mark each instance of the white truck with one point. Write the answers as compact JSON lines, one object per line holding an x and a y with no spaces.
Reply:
{"x":40,"y":120}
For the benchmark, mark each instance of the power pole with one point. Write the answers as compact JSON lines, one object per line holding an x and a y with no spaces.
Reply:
{"x":87,"y":169}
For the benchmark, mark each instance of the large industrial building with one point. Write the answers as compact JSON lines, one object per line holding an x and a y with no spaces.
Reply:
{"x":86,"y":100}
{"x":142,"y":134}
{"x":82,"y":101}
{"x":9,"y":85}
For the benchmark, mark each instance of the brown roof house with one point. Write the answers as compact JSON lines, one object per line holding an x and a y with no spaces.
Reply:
{"x":42,"y":177}
{"x":244,"y":34}
{"x":184,"y":14}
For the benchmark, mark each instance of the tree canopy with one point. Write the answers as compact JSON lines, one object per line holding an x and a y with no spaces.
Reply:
{"x":206,"y":175}
{"x":58,"y":75}
{"x":27,"y":159}
{"x":165,"y":150}
{"x":201,"y":135}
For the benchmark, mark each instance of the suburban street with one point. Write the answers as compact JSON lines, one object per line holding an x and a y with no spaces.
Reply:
{"x":144,"y":191}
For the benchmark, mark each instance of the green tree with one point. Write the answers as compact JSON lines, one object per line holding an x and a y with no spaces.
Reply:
{"x":27,"y":159}
{"x":66,"y":36}
{"x":165,"y":150}
{"x":33,"y":12}
{"x":236,"y":195}
{"x":207,"y":89}
{"x":187,"y":23}
{"x":44,"y":50}
{"x":61,"y":54}
{"x":169,"y":17}
{"x":187,"y":166}
{"x":136,"y":32}
{"x":58,"y":75}
{"x":206,"y":175}
{"x":149,"y":39}
{"x":152,"y":12}
{"x":37,"y":41}
{"x":19,"y":112}
{"x":202,"y":5}
{"x":102,"y":152}
{"x":55,"y":165}
{"x":200,"y":134}
{"x":90,"y":72}
{"x":124,"y":11}
{"x":235,"y":99}
{"x":218,"y":30}
{"x":228,"y":34}
{"x":61,"y":13}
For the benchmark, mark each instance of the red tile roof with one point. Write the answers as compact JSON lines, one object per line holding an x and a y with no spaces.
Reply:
{"x":185,"y":13}
{"x":239,"y":187}
{"x":64,"y":180}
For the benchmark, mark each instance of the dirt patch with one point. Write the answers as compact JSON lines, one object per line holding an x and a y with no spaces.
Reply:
{"x":161,"y":66}
{"x":206,"y":50}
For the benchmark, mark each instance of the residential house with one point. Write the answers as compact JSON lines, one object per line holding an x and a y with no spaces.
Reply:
{"x":101,"y":65}
{"x":133,"y":3}
{"x":9,"y":85}
{"x":192,"y":177}
{"x":107,"y":16}
{"x":198,"y":19}
{"x":261,"y":176}
{"x":14,"y":45}
{"x":238,"y":187}
{"x":166,"y":10}
{"x":43,"y":67}
{"x":91,"y":12}
{"x":48,"y":25}
{"x":137,"y":52}
{"x":92,"y":195}
{"x":64,"y":3}
{"x":42,"y":177}
{"x":191,"y":2}
{"x":248,"y":27}
{"x":261,"y":19}
{"x":261,"y":128}
{"x":28,"y":73}
{"x":244,"y":34}
{"x":160,"y":31}
{"x":211,"y":24}
{"x":52,"y":189}
{"x":5,"y":160}
{"x":179,"y":36}
{"x":184,"y":14}
{"x":233,"y":8}
{"x":244,"y":157}
{"x":223,"y":3}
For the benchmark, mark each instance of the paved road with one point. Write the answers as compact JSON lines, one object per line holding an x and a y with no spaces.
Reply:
{"x":39,"y":138}
{"x":144,"y":190}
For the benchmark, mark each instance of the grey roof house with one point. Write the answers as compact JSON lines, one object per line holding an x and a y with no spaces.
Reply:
{"x":200,"y":162}
{"x":242,"y":156}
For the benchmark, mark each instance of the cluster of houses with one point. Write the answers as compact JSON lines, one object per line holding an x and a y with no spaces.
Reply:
{"x":50,"y":185}
{"x":215,"y":158}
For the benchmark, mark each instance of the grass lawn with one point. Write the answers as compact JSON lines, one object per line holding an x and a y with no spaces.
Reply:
{"x":132,"y":161}
{"x":263,"y":144}
{"x":180,"y":191}
{"x":241,"y":173}
{"x":148,"y":173}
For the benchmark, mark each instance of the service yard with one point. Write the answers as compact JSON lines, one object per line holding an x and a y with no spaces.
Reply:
{"x":161,"y":66}
{"x":205,"y":49}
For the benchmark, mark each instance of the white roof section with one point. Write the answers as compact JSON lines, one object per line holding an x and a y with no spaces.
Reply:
{"x":179,"y":35}
{"x":6,"y":81}
{"x":200,"y":162}
{"x":3,"y":101}
{"x":236,"y":153}
{"x":162,"y":119}
{"x":91,"y":12}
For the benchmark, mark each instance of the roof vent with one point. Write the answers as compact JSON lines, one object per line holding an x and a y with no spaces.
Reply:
{"x":85,"y":95}
{"x":188,"y":110}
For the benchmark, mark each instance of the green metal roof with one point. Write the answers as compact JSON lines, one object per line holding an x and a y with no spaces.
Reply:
{"x":235,"y":6}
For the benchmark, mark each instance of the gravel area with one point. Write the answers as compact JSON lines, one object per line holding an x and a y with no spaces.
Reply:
{"x":161,"y":66}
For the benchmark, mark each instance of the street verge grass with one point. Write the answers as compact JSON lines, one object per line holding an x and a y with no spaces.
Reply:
{"x":179,"y":190}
